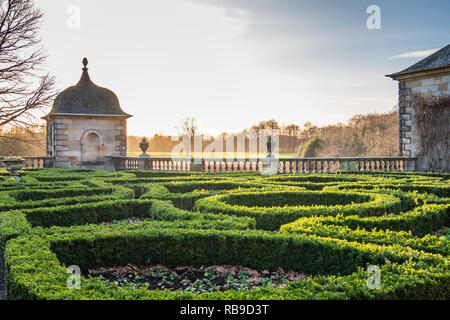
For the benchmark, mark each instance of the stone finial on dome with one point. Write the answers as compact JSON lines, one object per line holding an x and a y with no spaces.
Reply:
{"x":85,"y":63}
{"x":86,"y":98}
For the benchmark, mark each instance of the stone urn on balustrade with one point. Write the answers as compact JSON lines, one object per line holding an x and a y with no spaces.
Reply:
{"x":271,"y":164}
{"x":144,"y":145}
{"x":13,"y":165}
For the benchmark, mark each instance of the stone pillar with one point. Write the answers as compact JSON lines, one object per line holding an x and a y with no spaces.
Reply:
{"x":110,"y":164}
{"x":270,"y":166}
{"x":405,"y":114}
{"x":347,"y":165}
{"x":195,"y":166}
{"x":143,"y":161}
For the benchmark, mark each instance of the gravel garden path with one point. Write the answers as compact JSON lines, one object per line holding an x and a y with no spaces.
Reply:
{"x":2,"y":279}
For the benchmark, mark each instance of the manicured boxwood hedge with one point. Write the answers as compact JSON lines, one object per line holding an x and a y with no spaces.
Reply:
{"x":330,"y":226}
{"x":185,"y":194}
{"x":35,"y":263}
{"x":271,"y":209}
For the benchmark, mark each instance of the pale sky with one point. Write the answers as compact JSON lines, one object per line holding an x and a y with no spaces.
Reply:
{"x":233,"y":63}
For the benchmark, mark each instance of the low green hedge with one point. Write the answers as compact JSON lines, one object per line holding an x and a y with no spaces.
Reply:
{"x":428,"y":218}
{"x":14,"y":223}
{"x":184,"y":194}
{"x":419,"y":221}
{"x":115,"y":192}
{"x":275,"y":214}
{"x":61,"y":193}
{"x":35,"y":264}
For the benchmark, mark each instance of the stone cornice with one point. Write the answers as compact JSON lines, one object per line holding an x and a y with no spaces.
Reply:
{"x":420,"y":74}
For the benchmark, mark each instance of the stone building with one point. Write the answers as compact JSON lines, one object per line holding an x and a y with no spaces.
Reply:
{"x":85,"y":125}
{"x":429,"y":77}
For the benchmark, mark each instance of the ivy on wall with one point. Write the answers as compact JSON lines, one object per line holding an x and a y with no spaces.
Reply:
{"x":433,"y":122}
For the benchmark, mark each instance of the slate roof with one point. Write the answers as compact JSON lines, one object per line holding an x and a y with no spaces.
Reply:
{"x":86,"y":98}
{"x":440,"y":58}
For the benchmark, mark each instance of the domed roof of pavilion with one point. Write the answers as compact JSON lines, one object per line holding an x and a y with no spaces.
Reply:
{"x":86,"y":98}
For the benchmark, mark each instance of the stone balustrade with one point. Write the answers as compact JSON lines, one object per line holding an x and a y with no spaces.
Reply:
{"x":35,"y":162}
{"x":286,"y":165}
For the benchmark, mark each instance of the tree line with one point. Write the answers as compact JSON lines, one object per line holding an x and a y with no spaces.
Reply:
{"x":372,"y":134}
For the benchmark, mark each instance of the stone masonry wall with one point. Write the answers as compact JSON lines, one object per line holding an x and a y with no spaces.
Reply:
{"x":410,"y":144}
{"x":70,"y":130}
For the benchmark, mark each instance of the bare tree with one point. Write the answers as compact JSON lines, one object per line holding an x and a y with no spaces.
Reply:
{"x":24,"y":87}
{"x":188,"y":127}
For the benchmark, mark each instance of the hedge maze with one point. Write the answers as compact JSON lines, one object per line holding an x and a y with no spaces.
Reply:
{"x":329,"y":227}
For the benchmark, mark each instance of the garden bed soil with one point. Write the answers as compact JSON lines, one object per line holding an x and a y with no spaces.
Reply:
{"x":203,"y":279}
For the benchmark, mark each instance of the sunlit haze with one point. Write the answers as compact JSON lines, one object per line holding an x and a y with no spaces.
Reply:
{"x":231,"y":64}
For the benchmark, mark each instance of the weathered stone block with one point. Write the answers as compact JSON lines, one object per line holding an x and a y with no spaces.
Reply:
{"x":406,"y":140}
{"x":442,"y":87}
{"x":60,"y":120}
{"x":62,"y":148}
{"x":121,"y":138}
{"x":404,"y":91}
{"x":415,"y":83}
{"x":428,"y":82}
{"x":405,"y":116}
{"x":61,"y":126}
